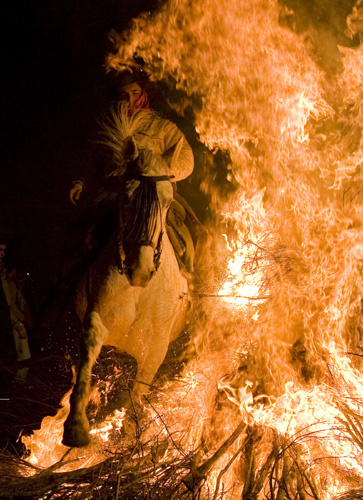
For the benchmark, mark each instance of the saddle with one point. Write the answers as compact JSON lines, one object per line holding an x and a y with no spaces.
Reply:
{"x":180,"y":237}
{"x":192,"y":244}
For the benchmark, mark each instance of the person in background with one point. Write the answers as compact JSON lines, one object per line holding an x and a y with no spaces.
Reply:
{"x":15,"y":311}
{"x":7,"y":347}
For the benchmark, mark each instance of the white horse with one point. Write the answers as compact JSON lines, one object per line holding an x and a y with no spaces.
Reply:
{"x":134,"y":296}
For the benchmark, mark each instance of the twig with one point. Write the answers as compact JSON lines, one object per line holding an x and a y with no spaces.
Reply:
{"x":263,"y":297}
{"x":349,"y":428}
{"x":272,"y":479}
{"x":250,"y":456}
{"x":43,"y":482}
{"x":193,"y":478}
{"x":260,"y":480}
{"x":118,"y":486}
{"x":152,"y":387}
{"x":354,"y":354}
{"x":307,"y":479}
{"x":60,"y":463}
{"x":223,"y":471}
{"x":20,"y":461}
{"x":137,"y":430}
{"x":348,"y":413}
{"x":166,"y":428}
{"x":282,"y":491}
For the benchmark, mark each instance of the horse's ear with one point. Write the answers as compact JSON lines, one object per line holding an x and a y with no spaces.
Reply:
{"x":171,"y":155}
{"x":129,"y":149}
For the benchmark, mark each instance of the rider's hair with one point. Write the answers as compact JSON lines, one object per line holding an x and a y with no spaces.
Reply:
{"x":118,"y":80}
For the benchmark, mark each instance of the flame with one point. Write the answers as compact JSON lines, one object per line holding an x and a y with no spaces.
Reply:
{"x":45,"y":448}
{"x":293,"y":136}
{"x":113,"y":422}
{"x":314,"y":415}
{"x":240,"y":288}
{"x":274,"y":354}
{"x":48,"y":437}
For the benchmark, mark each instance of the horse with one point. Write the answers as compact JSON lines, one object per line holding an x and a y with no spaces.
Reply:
{"x":134,"y":296}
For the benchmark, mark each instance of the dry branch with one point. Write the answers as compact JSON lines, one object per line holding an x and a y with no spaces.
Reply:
{"x":254,"y":480}
{"x":194,"y":478}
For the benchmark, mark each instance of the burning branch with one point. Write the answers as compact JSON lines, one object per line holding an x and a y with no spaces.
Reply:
{"x":194,"y":478}
{"x":353,"y":424}
{"x":254,"y":480}
{"x":122,"y":476}
{"x":288,"y":476}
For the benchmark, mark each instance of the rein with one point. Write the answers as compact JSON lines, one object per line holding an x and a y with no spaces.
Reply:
{"x":151,"y":178}
{"x":154,"y":206}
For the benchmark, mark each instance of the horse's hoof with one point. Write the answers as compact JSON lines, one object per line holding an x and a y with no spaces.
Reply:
{"x":75,"y":435}
{"x":74,"y":439}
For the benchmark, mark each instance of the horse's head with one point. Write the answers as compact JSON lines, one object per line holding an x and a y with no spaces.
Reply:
{"x":146,"y":197}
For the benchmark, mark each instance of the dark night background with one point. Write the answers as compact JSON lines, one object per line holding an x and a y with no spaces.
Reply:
{"x":54,"y":86}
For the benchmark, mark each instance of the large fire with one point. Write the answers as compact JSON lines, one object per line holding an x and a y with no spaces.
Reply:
{"x":279,"y":348}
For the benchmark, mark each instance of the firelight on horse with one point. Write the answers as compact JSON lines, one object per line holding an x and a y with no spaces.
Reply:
{"x":134,"y":296}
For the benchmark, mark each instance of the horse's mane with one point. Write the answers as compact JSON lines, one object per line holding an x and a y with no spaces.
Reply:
{"x":144,"y":203}
{"x":146,"y":210}
{"x":120,"y":124}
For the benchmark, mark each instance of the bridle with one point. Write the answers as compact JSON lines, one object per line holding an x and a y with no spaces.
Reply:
{"x":157,"y":248}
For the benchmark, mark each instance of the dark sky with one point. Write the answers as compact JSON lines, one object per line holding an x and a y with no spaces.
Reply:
{"x":54,"y":84}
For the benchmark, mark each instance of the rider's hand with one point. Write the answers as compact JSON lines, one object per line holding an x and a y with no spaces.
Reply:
{"x":75,"y":192}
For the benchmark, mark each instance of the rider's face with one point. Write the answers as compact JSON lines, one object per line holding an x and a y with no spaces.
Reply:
{"x":131,"y":93}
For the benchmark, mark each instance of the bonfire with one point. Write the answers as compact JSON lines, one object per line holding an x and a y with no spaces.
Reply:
{"x":267,"y":398}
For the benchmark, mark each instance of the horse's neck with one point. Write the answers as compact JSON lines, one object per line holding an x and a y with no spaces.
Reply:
{"x":167,"y":249}
{"x":168,"y":257}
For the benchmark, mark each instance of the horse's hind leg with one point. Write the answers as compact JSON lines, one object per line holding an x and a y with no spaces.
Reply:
{"x":76,"y":427}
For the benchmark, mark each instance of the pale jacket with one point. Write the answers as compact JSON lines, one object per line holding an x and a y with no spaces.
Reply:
{"x":15,"y":302}
{"x":149,"y":131}
{"x":159,"y":135}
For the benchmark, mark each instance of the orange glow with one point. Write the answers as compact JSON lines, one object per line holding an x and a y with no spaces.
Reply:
{"x":45,"y":445}
{"x":271,"y":350}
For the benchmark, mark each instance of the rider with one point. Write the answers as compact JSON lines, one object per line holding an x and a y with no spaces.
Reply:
{"x":159,"y":133}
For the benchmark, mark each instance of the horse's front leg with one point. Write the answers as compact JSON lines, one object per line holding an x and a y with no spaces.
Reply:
{"x":76,"y":427}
